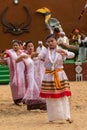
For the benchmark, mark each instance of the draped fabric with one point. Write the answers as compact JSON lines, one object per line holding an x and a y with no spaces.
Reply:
{"x":32,"y":88}
{"x":31,"y":97}
{"x":39,"y":71}
{"x":17,"y":80}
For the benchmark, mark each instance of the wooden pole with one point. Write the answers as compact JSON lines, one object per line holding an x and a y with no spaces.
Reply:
{"x":79,"y":18}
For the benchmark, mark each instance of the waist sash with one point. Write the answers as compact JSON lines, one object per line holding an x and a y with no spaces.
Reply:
{"x":56,"y":77}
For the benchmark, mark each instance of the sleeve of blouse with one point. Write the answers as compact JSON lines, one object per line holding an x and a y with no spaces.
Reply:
{"x":70,"y":54}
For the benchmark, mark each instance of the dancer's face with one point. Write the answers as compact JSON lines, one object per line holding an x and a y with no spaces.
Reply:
{"x":16,"y":46}
{"x":52,"y":42}
{"x":30,"y":47}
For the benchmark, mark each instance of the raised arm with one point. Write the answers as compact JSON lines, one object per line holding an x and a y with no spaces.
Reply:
{"x":21,"y":57}
{"x":66,"y":53}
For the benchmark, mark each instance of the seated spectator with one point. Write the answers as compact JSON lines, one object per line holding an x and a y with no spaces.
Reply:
{"x":63,"y":38}
{"x":75,"y":41}
{"x":75,"y":37}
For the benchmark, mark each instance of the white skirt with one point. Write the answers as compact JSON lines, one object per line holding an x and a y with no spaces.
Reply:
{"x":58,"y":109}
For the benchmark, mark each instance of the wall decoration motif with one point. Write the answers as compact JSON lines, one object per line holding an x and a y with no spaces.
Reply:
{"x":52,"y":23}
{"x":15,"y":28}
{"x":16,"y":2}
{"x":78,"y":69}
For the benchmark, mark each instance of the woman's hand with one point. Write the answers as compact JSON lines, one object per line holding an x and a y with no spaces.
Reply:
{"x":21,"y":58}
{"x":34,"y":54}
{"x":24,"y":56}
{"x":62,"y":52}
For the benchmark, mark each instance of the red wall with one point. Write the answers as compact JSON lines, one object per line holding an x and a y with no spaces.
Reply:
{"x":70,"y":70}
{"x":66,"y":11}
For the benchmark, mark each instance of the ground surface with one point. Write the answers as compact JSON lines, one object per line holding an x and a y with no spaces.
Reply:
{"x":18,"y":118}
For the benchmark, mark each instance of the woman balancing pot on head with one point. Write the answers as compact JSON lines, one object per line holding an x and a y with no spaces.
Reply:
{"x":55,"y":85}
{"x":17,"y":81}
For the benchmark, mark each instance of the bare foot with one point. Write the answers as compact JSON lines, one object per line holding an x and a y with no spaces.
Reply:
{"x":50,"y":121}
{"x":70,"y":120}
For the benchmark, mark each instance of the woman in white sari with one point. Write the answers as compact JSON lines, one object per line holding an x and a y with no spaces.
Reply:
{"x":55,"y":86}
{"x":31,"y":97}
{"x":17,"y":79}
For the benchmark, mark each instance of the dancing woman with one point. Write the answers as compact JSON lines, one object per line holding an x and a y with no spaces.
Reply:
{"x":55,"y":85}
{"x":31,"y":97}
{"x":17,"y":81}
